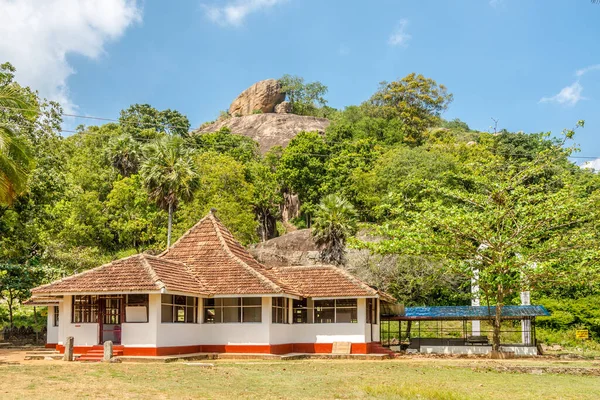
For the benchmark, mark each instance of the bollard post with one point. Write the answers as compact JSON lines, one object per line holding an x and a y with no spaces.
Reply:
{"x":108,"y":350}
{"x":69,"y":348}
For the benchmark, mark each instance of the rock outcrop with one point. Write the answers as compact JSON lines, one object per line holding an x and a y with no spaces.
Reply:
{"x":294,"y":248}
{"x":263,"y":96}
{"x":268,"y":129}
{"x":283,"y":108}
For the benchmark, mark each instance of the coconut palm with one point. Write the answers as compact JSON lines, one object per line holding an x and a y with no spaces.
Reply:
{"x":333,"y":222}
{"x":169,"y":175}
{"x":15,"y":156}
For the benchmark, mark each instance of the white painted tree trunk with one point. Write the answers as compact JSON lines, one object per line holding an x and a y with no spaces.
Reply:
{"x":526,"y":323}
{"x":475,"y":302}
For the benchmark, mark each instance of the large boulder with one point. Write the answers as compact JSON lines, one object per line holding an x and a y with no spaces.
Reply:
{"x":263,"y":96}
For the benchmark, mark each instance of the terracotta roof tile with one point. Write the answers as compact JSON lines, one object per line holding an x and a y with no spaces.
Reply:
{"x":323,"y":281}
{"x":132,"y":274}
{"x":221,"y":263}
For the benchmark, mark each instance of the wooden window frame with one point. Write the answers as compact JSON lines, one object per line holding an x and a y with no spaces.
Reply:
{"x":56,"y":316}
{"x":279,"y":310}
{"x":218,"y":303}
{"x":84,"y":312}
{"x":175,"y":306}
{"x":146,"y":304}
{"x":334,"y":305}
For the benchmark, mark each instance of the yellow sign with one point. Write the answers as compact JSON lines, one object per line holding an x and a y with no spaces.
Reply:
{"x":582,"y":334}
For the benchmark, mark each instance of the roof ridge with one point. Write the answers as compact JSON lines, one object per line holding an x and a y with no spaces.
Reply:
{"x":153,"y":274}
{"x":187,"y":268}
{"x":253,"y":271}
{"x":184,"y":235}
{"x":67,"y":278}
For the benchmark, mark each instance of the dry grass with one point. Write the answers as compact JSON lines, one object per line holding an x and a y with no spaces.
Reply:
{"x":311,"y":379}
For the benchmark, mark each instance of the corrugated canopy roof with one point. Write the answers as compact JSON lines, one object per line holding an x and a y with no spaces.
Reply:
{"x":469,"y":313}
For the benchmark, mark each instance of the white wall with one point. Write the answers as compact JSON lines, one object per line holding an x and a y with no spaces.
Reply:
{"x":52,"y":331}
{"x":157,"y":334}
{"x":143,"y":334}
{"x":325,"y":333}
{"x":84,"y":334}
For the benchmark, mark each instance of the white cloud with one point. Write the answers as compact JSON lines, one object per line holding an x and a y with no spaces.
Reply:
{"x":594,"y":164}
{"x":399,"y":37}
{"x":583,"y":71}
{"x":234,"y":12}
{"x":568,"y":96}
{"x":496,"y":3}
{"x":37,"y":37}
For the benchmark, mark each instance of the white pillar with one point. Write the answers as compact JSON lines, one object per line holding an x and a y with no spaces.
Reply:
{"x":526,"y":323}
{"x":475,"y":325}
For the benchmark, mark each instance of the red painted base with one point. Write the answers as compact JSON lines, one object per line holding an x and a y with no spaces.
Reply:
{"x":317,"y":348}
{"x":50,"y":345}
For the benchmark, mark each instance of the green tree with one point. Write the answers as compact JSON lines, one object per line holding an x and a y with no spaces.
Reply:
{"x":334,"y":223}
{"x":266,"y":199}
{"x":16,"y":160}
{"x":302,"y":170}
{"x":16,"y":281}
{"x":133,"y":219}
{"x":169,"y":175}
{"x":415,"y":100}
{"x":305,"y":98}
{"x":125,"y":155}
{"x":223,"y":185}
{"x":241,"y":148}
{"x":142,"y":121}
{"x":512,"y":226}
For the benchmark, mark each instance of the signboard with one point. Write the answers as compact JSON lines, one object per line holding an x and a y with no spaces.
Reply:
{"x":341,"y":348}
{"x":582,"y":334}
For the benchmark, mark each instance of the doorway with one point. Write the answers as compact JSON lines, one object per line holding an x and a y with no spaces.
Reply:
{"x":110,"y":317}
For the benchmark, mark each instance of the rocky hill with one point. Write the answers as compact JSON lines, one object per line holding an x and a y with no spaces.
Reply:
{"x":269,"y":129}
{"x":262,"y":114}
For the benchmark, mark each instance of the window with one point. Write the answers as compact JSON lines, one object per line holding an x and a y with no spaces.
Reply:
{"x":300,"y":311}
{"x":233,"y":309}
{"x":55,"y":316}
{"x":85,"y":309}
{"x":335,"y":311}
{"x":178,"y":309}
{"x":136,"y":308}
{"x":371,"y":311}
{"x":280,"y":310}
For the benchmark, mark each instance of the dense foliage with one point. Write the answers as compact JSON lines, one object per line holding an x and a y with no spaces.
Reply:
{"x":424,"y":194}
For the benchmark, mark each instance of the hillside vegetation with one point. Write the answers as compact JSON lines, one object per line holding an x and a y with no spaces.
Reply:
{"x":103,"y":193}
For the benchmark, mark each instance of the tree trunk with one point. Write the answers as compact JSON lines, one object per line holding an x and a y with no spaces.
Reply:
{"x":170,"y":224}
{"x":497,"y":325}
{"x":10,"y":308}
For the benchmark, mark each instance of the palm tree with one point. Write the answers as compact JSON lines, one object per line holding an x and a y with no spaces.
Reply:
{"x":125,"y":155}
{"x":15,"y":156}
{"x":333,"y":222}
{"x":169,"y":175}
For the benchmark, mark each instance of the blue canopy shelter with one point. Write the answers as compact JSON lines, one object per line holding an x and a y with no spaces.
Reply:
{"x":435,"y":333}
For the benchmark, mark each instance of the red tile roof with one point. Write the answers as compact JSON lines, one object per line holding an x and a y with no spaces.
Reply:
{"x":138,"y":273}
{"x":221,"y":263}
{"x":324,"y":281}
{"x":207,"y":260}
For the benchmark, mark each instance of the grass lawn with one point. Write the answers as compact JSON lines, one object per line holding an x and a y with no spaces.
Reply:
{"x":307,"y":379}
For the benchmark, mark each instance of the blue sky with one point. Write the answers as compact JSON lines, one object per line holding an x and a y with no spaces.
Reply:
{"x":515,"y":61}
